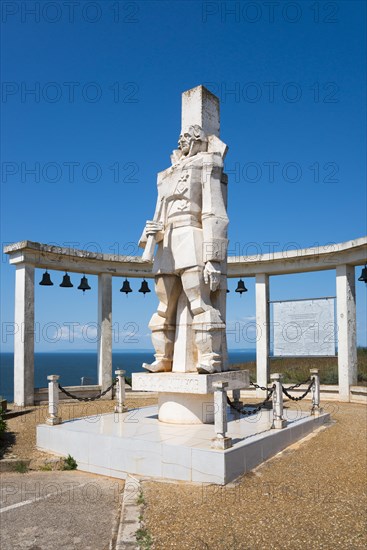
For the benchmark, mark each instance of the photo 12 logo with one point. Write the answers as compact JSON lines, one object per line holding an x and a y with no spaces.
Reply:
{"x":71,"y":171}
{"x":272,"y":171}
{"x":70,"y":11}
{"x":252,"y":12}
{"x":274,"y":92}
{"x":68,"y":92}
{"x":70,"y":332}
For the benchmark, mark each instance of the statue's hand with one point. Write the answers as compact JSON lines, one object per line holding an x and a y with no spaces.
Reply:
{"x":212,"y":275}
{"x":152,"y":227}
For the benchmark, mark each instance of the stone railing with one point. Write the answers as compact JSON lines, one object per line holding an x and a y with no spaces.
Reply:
{"x":55,"y":389}
{"x":221,"y":441}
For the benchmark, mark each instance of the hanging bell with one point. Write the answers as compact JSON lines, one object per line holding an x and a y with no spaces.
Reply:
{"x":241,"y":287}
{"x":228,"y":290}
{"x":363,"y":276}
{"x":46,"y":279}
{"x":126,"y":287}
{"x":66,"y":283}
{"x":84,"y":284}
{"x":144,"y":287}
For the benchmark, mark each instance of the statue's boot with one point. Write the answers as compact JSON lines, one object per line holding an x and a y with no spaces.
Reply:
{"x":209,"y":331}
{"x":209,"y":367}
{"x":162,"y":365}
{"x":163,"y":337}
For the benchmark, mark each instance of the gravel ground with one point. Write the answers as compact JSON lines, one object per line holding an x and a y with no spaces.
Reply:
{"x":313,"y":495}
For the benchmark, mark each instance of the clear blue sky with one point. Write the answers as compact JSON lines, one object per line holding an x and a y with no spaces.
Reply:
{"x":105,"y":116}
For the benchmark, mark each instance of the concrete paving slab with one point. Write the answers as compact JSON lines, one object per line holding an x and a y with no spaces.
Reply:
{"x":53,"y":510}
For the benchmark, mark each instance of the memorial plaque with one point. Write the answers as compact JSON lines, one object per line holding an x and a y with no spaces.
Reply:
{"x":188,"y":382}
{"x":304,"y":327}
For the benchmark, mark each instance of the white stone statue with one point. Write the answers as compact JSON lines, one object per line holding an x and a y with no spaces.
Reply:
{"x":190,"y":228}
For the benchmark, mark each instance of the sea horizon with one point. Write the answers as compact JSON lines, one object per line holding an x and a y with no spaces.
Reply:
{"x":136,"y":350}
{"x":72,"y":365}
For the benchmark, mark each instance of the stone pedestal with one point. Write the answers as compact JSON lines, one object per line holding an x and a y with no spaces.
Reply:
{"x":183,"y":408}
{"x":136,"y":443}
{"x":187,"y":398}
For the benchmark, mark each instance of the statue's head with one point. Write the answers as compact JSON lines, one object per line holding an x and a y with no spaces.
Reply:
{"x":192,"y":141}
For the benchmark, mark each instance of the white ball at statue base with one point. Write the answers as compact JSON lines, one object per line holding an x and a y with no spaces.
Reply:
{"x":183,"y":408}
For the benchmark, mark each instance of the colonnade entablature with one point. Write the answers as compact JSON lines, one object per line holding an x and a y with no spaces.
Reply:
{"x":58,"y":258}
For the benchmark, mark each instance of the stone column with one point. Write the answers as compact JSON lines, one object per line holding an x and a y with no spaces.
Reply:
{"x":220,"y":416}
{"x":236,"y":394}
{"x":263,"y":335}
{"x":120,"y":393}
{"x":316,"y":409}
{"x":105,"y":331}
{"x":24,"y":335}
{"x":346,"y":325}
{"x":278,"y":421}
{"x":53,"y":400}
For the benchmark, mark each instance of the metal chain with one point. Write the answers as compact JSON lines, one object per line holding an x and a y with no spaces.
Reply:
{"x":298,"y":385}
{"x":257,"y":408}
{"x":301,"y":396}
{"x":258,"y":387}
{"x":289,"y":389}
{"x":93,"y":398}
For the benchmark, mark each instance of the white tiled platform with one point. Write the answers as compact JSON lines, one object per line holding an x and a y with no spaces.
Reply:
{"x":136,"y":443}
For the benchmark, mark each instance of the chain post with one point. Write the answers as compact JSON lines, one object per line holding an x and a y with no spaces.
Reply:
{"x":120,"y":394}
{"x":316,"y":410}
{"x":236,"y":395}
{"x":53,"y":400}
{"x":278,"y":421}
{"x":220,"y":416}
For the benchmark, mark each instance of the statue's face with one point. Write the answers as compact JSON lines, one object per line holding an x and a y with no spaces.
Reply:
{"x":184,"y":142}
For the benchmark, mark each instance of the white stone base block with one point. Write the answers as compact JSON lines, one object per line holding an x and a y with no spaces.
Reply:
{"x":188,"y":382}
{"x":53,"y":421}
{"x":186,"y":397}
{"x":279,"y":424}
{"x":137,"y":443}
{"x":186,"y":408}
{"x":222,"y":443}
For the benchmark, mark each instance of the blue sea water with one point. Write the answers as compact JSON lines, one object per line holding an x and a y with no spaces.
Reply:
{"x":71,"y":366}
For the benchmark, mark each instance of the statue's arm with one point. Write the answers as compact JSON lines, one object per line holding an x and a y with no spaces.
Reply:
{"x":153,"y":227}
{"x":214,"y":214}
